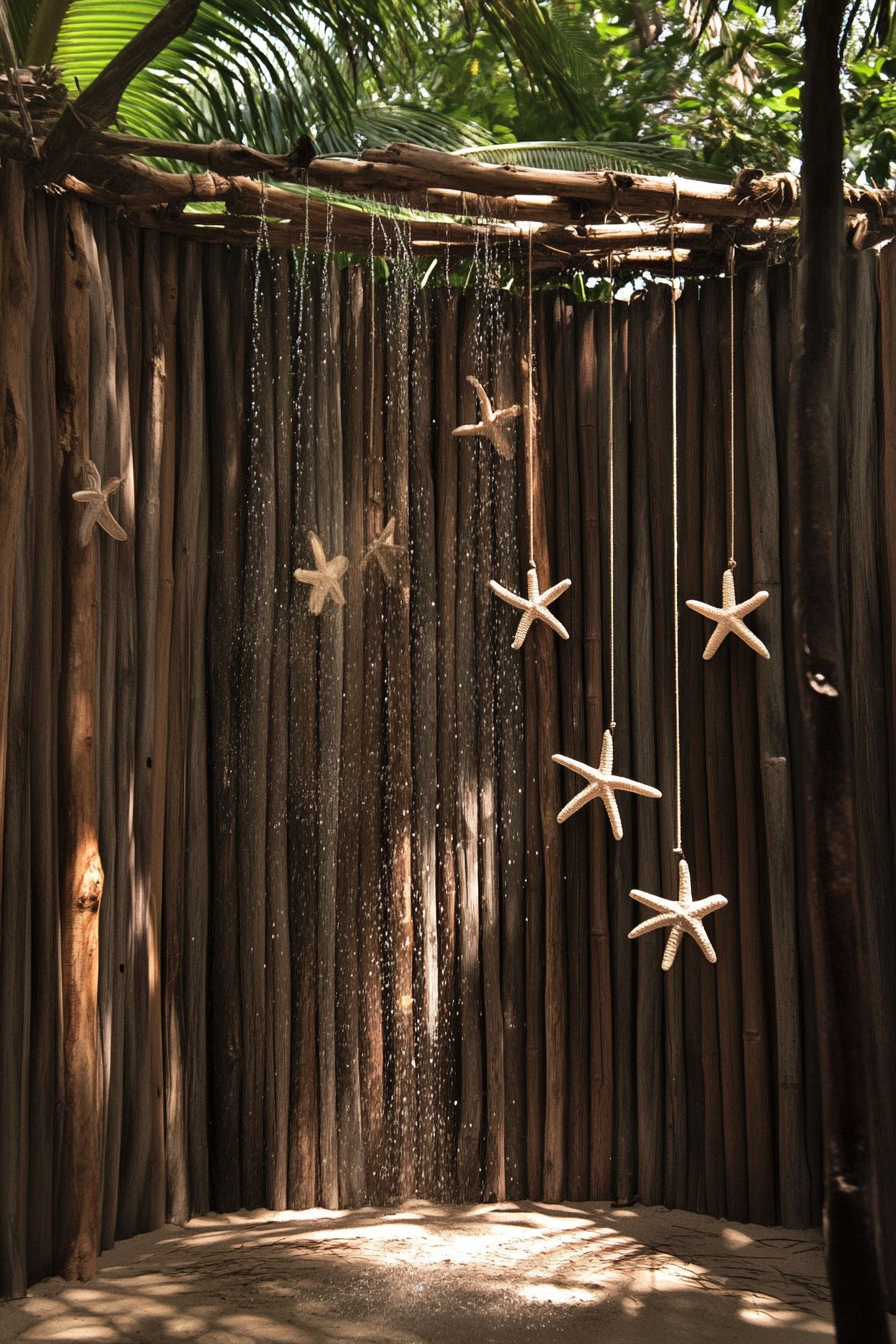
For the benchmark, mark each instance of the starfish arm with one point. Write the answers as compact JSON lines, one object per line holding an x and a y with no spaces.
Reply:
{"x":551,"y":620}
{"x":652,"y":902}
{"x":612,"y":807}
{"x":85,"y":531}
{"x":521,"y":603}
{"x":752,"y":641}
{"x":648,"y":925}
{"x":320,"y":558}
{"x":338,"y":565}
{"x":468,"y":431}
{"x":606,"y":753}
{"x":575,"y":804}
{"x":704,"y":609}
{"x":387,"y":536}
{"x":701,"y":938}
{"x":744,"y":608}
{"x":91,"y":476}
{"x":578,"y":768}
{"x":389,"y":561}
{"x":685,"y":890}
{"x":716,"y":640}
{"x":316,"y":599}
{"x":504,"y":444}
{"x":85,"y":496}
{"x":478,"y":389}
{"x":552,"y":593}
{"x":306,"y":575}
{"x":110,"y":525}
{"x":111,"y":486}
{"x":507,"y":413}
{"x":632,"y":786}
{"x":522,"y":629}
{"x":672,"y":945}
{"x":708,"y":906}
{"x":334,"y":592}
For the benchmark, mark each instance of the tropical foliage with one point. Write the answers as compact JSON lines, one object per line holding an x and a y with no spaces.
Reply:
{"x":690,"y":85}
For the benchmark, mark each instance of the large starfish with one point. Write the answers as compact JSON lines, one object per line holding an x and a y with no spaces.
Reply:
{"x":535,"y":606}
{"x":684,"y":916}
{"x":387,"y":555}
{"x":325,"y":579}
{"x":601,"y":784}
{"x":96,"y":497}
{"x":492,"y":424}
{"x":730,"y":617}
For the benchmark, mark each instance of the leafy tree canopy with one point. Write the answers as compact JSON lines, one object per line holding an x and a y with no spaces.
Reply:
{"x":690,"y":85}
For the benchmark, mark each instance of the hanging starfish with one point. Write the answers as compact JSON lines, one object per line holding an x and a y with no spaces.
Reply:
{"x":684,"y":916}
{"x":325,"y":579}
{"x":601,"y":784}
{"x":492,"y":424}
{"x":730,"y":617}
{"x":535,"y":607}
{"x":387,"y":555}
{"x":96,"y":497}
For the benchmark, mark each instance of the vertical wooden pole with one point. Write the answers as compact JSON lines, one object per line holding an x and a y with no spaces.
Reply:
{"x":424,"y":737}
{"x":398,"y":732}
{"x":827,"y":748}
{"x":15,"y":286}
{"x":81,"y":881}
{"x":352,"y":1175}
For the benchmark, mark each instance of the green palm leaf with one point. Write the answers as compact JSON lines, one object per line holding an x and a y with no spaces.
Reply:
{"x":577,"y":156}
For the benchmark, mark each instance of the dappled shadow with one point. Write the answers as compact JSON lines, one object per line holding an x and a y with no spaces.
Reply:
{"x":428,"y":1274}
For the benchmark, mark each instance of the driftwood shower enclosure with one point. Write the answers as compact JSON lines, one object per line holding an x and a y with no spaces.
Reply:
{"x":287,"y":918}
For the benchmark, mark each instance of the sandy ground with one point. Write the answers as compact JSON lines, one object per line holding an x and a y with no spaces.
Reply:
{"x":427,"y":1274}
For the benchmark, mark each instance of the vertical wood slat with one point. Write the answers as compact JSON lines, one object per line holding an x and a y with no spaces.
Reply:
{"x":278,"y":991}
{"x":81,"y":885}
{"x":424,"y":739}
{"x":224,"y":382}
{"x":649,"y":1013}
{"x":511,"y":768}
{"x":446,"y":484}
{"x":567,"y":526}
{"x":469,"y":986}
{"x":352,"y":1174}
{"x":44,"y":1088}
{"x":589,"y":369}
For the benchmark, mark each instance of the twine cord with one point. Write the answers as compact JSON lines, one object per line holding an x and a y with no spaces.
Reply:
{"x":732,"y":563}
{"x":678,"y":849}
{"x":612,"y":485}
{"x":372,"y":336}
{"x":530,"y":427}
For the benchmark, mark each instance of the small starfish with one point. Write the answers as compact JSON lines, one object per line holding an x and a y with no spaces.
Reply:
{"x":535,"y":607}
{"x":601,"y":783}
{"x":730,"y":617}
{"x":387,"y":555}
{"x":96,"y":497}
{"x":492,"y":423}
{"x":684,"y":915}
{"x":325,"y":579}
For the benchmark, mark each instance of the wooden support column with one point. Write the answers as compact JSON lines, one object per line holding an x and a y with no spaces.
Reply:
{"x":828,"y":776}
{"x":81,"y":882}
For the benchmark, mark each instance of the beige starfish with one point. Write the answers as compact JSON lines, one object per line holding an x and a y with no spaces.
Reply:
{"x":325,"y":579}
{"x":535,"y":607}
{"x":96,"y":497}
{"x":730,"y":617}
{"x":684,"y":915}
{"x":387,"y":555}
{"x":492,"y":424}
{"x":601,"y":784}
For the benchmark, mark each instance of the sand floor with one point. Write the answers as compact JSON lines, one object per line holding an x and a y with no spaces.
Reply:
{"x":425,"y":1274}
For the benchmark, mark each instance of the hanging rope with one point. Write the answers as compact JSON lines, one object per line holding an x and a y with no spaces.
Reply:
{"x":612,"y":483}
{"x":530,"y":427}
{"x":372,"y":335}
{"x":678,"y":848}
{"x":732,"y":563}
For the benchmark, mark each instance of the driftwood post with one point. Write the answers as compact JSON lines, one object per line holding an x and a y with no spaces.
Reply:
{"x":81,"y":867}
{"x":827,"y":746}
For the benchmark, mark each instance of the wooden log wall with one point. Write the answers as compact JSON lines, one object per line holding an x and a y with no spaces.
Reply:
{"x":287,"y":919}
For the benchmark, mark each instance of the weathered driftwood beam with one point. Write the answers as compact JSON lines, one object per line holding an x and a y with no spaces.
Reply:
{"x":221,"y":156}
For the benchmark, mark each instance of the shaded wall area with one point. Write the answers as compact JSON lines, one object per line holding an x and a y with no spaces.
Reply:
{"x":343,"y":953}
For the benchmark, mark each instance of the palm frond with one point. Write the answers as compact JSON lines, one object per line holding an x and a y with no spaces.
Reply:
{"x":578,"y":156}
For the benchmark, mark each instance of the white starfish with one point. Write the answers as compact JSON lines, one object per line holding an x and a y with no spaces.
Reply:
{"x":96,"y":497}
{"x":601,"y":783}
{"x":730,"y":617}
{"x":387,"y":555}
{"x":325,"y":579}
{"x":491,"y":426}
{"x":535,"y":606}
{"x":684,"y":916}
